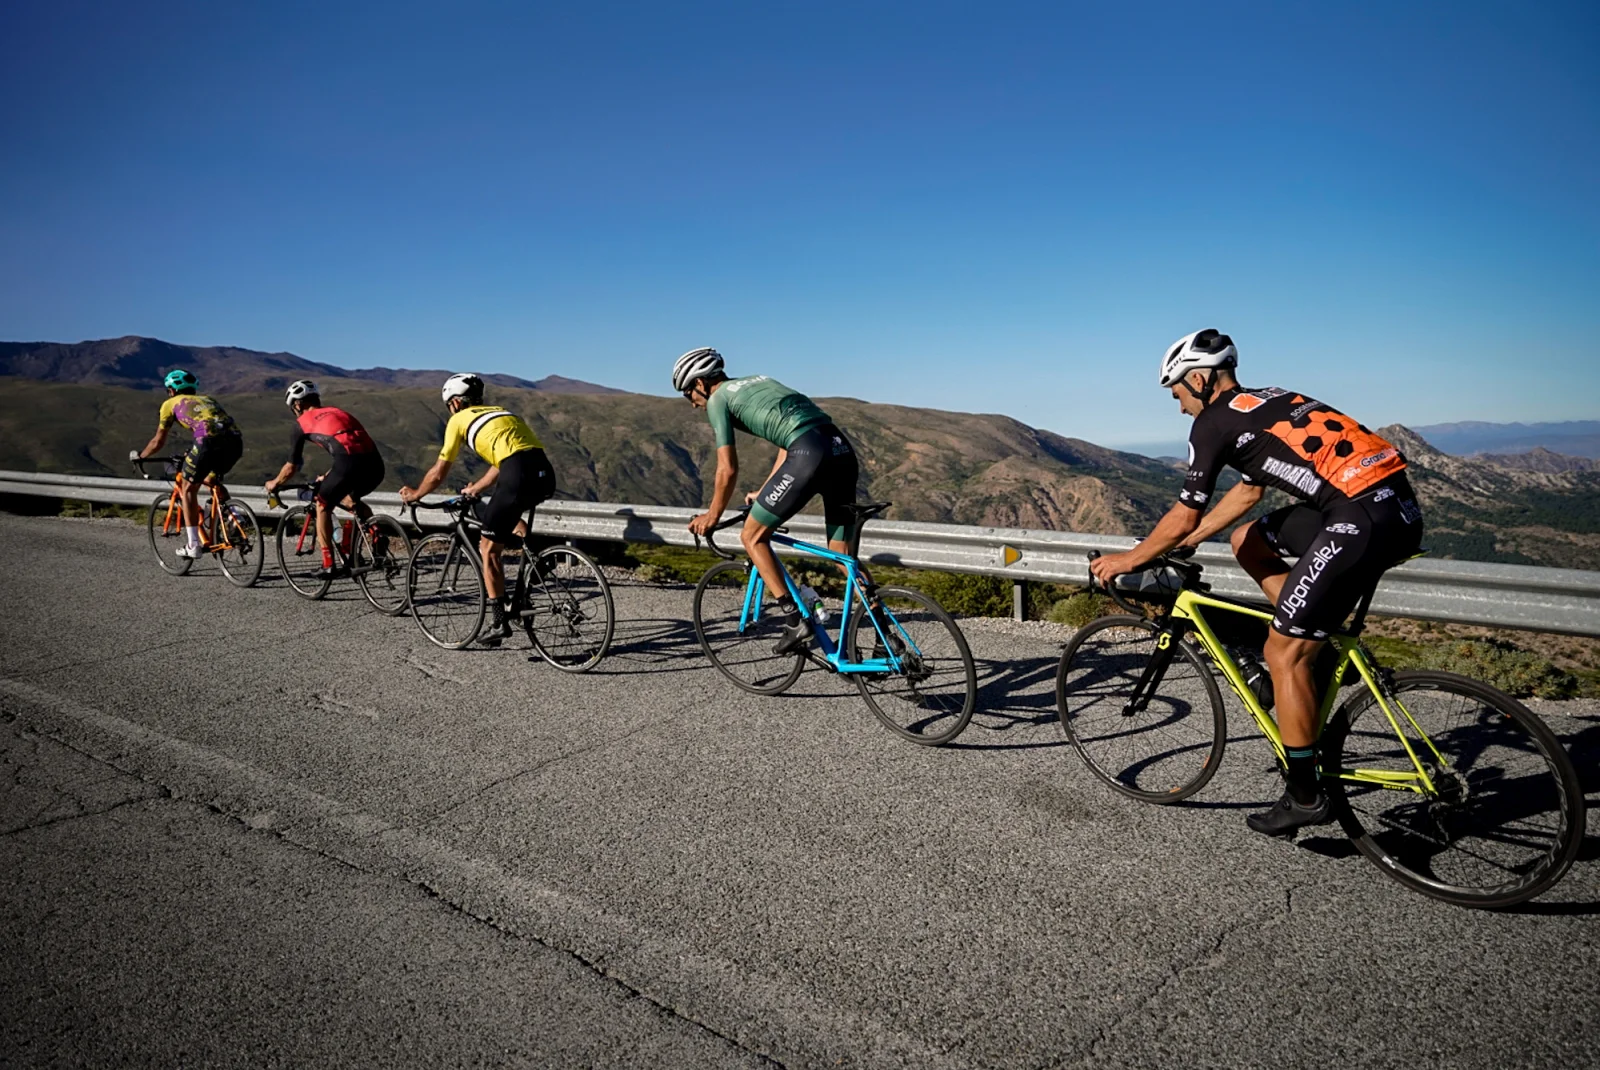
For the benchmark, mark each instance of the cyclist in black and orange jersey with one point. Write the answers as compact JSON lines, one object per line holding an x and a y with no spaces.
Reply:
{"x":1358,"y":517}
{"x":357,"y":467}
{"x":519,"y":472}
{"x":217,"y":447}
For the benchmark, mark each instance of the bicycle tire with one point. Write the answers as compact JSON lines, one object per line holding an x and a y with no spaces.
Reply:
{"x":165,"y":543}
{"x":744,"y":657}
{"x":383,"y":577}
{"x":569,"y":614}
{"x":1161,"y":754}
{"x":241,"y":562}
{"x":932,"y":698}
{"x":299,"y":558}
{"x":1491,"y":835}
{"x":444,"y":588}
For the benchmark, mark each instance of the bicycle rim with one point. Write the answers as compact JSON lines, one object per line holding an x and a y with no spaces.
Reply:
{"x":930,"y":698}
{"x":1505,"y":817}
{"x":445,"y":590}
{"x":241,"y":561}
{"x":1165,"y":750}
{"x":381,"y":563}
{"x":742,"y":653}
{"x":567,"y":608}
{"x":299,"y":559}
{"x":165,"y":543}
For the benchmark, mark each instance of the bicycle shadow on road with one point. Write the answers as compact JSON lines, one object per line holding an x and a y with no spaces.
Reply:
{"x":1013,"y":696}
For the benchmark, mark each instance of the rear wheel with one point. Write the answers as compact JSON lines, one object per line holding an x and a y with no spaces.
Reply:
{"x":1165,"y":747}
{"x":240,"y":533}
{"x":1505,"y":816}
{"x":929,"y":699}
{"x":381,"y":563}
{"x":740,"y":646}
{"x":569,"y":614}
{"x":299,"y":558}
{"x":165,"y":525}
{"x":445,"y":590}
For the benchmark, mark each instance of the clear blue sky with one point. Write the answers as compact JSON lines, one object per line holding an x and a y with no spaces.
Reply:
{"x":991,"y":207}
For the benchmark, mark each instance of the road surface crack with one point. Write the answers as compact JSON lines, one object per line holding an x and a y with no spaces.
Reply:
{"x":65,"y":818}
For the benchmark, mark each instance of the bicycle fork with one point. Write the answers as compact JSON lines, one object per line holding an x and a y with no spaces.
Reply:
{"x":1155,"y":670}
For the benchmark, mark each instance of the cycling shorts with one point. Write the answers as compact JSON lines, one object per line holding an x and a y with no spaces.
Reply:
{"x":821,"y":461}
{"x":1343,"y":551}
{"x":214,"y":455}
{"x":353,"y":475}
{"x":525,"y":480}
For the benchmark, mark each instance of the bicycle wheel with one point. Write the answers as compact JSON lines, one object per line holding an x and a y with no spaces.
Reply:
{"x":299,"y":559}
{"x":1506,"y":815}
{"x":931,"y":698}
{"x":566,"y":608}
{"x":165,"y":543}
{"x":743,"y":655}
{"x":381,"y":563}
{"x":444,"y":585}
{"x":1162,"y":752}
{"x":241,"y":561}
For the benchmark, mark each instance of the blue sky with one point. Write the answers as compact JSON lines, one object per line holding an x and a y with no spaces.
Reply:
{"x":991,"y":207}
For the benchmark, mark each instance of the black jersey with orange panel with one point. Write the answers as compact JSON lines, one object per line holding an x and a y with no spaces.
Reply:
{"x":1278,"y":438}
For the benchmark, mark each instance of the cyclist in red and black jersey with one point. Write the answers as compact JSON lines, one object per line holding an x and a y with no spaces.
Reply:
{"x":1358,"y":517}
{"x":357,"y":468}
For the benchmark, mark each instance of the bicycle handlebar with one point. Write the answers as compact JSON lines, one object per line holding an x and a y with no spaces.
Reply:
{"x":711,"y":543}
{"x":453,"y":504}
{"x":1176,"y":559}
{"x":140,"y":462}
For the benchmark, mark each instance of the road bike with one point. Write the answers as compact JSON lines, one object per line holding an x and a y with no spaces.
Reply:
{"x":376,"y":553}
{"x":558,"y":594}
{"x":906,"y":655}
{"x":229,"y":530}
{"x":1448,"y":785}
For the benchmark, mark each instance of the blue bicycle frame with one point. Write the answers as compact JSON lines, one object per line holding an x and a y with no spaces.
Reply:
{"x":854,"y":592}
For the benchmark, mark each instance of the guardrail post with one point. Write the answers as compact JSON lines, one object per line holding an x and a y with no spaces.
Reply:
{"x":1019,"y":599}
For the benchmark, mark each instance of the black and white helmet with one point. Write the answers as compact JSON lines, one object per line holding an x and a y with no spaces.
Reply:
{"x":695,"y":364}
{"x":1209,"y":348}
{"x":461,"y":385}
{"x":299,"y":390}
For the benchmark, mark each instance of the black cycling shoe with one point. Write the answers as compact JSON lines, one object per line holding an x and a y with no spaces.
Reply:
{"x":499,"y":631}
{"x":793,"y":639}
{"x":337,"y":572}
{"x":1287,"y":815}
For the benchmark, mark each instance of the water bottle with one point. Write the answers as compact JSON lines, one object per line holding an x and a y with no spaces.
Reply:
{"x":1256,"y":676}
{"x":812,"y":601}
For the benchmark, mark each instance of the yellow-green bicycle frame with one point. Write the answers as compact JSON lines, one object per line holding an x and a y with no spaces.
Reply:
{"x":1189,"y":609}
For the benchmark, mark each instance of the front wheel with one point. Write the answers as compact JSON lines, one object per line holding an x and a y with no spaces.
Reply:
{"x":166,"y":535}
{"x":1504,"y":816}
{"x":566,"y":608}
{"x":445,"y":590}
{"x":299,"y":558}
{"x":1147,"y":719}
{"x":381,"y":563}
{"x":239,"y":549}
{"x":928,"y":686}
{"x":737,"y":624}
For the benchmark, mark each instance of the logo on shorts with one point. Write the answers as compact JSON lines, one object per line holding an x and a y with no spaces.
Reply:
{"x":1410,"y":511}
{"x":1297,"y":598}
{"x":1248,"y":436}
{"x":1343,"y":529}
{"x":1386,"y":492}
{"x":777,"y":493}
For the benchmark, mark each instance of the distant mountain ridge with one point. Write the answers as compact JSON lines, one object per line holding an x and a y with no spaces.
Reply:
{"x":1575,"y":438}
{"x":138,"y":362}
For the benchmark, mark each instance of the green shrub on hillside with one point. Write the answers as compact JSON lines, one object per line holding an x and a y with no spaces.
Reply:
{"x":968,"y":596}
{"x":1079,"y":609}
{"x":1499,"y":664}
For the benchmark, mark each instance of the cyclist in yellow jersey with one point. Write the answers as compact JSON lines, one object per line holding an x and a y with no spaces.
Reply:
{"x":519,"y":472}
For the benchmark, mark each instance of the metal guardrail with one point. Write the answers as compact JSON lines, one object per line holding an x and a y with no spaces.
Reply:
{"x":1559,"y":600}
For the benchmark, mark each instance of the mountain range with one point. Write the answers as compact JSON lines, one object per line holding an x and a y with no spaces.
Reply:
{"x":1577,"y":438}
{"x":79,"y":408}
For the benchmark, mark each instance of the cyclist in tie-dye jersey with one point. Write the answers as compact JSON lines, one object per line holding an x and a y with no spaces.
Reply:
{"x":217,"y":447}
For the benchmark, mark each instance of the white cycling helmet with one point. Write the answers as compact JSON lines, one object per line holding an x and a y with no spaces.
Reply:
{"x":1209,"y":348}
{"x":299,"y":390}
{"x":695,"y":364}
{"x":461,"y":385}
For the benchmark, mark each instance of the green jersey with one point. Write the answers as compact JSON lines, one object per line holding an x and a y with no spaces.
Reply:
{"x":763,"y":407}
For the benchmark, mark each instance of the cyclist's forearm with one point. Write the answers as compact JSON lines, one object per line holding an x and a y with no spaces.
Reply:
{"x":1235,"y":504}
{"x":155,"y":443}
{"x":285,"y":473}
{"x":722,"y":493}
{"x":484,"y":482}
{"x":1169,"y":531}
{"x":433,"y":477}
{"x":777,"y":463}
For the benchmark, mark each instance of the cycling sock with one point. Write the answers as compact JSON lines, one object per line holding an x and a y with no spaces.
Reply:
{"x":1301,"y":773}
{"x":790,"y":611}
{"x":327,"y":557}
{"x":193,"y":535}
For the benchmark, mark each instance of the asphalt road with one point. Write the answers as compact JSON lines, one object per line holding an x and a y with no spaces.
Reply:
{"x":240,"y":828}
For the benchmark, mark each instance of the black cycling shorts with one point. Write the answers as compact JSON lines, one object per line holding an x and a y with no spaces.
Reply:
{"x":525,"y":480}
{"x":821,"y":461}
{"x":214,"y":455}
{"x":353,"y":475}
{"x":1343,"y":551}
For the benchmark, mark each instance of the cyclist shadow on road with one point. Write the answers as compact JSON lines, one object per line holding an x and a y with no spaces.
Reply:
{"x":1014,"y":696}
{"x":651,"y":644}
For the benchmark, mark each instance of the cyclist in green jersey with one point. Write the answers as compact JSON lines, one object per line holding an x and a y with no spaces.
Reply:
{"x":814,"y":458}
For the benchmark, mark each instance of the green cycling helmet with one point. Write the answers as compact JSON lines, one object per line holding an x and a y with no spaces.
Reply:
{"x":178,"y":379}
